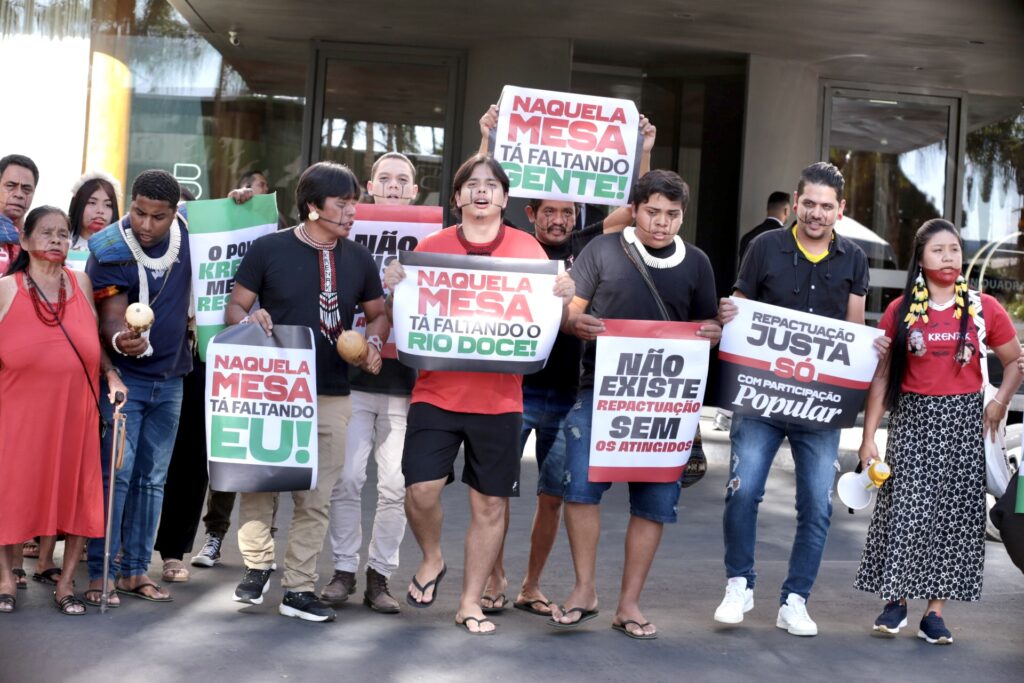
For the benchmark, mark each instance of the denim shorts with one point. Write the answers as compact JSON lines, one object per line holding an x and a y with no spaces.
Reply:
{"x":544,"y":411}
{"x":653,"y":501}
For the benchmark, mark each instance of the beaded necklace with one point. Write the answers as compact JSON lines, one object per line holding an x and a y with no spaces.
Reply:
{"x":330,"y":311}
{"x":47,"y":314}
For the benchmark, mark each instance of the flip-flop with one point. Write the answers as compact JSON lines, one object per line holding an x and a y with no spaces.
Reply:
{"x":66,"y":603}
{"x":494,"y":608}
{"x":528,"y":606}
{"x":137,"y":592}
{"x":479,"y":623}
{"x":436,"y":583}
{"x":99,"y":595}
{"x":175,"y":571}
{"x":8,"y":599}
{"x":19,"y":576}
{"x":623,"y":627}
{"x":48,"y":576}
{"x":585,"y":615}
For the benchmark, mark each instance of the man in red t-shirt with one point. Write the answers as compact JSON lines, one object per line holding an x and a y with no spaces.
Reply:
{"x":484,"y":411}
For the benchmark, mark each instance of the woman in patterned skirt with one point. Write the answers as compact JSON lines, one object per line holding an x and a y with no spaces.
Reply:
{"x":927,"y":535}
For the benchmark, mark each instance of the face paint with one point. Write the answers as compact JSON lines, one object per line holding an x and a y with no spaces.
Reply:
{"x":942,"y":276}
{"x":51,"y":256}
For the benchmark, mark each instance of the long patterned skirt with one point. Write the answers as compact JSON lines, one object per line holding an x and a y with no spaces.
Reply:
{"x":927,"y":534}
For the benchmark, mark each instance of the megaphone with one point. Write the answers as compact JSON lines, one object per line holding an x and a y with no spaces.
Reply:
{"x":855,"y":490}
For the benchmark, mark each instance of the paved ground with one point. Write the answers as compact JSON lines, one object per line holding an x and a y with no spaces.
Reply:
{"x":203,"y":635}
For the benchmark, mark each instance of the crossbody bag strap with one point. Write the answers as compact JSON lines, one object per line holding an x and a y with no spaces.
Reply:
{"x":974,"y":298}
{"x":633,"y":254}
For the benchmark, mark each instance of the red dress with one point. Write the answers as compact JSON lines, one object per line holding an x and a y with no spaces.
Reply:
{"x":50,"y":477}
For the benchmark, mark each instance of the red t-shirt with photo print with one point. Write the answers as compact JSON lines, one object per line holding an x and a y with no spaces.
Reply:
{"x":933,"y":370}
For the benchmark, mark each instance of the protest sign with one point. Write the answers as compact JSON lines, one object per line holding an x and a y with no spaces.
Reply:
{"x":795,"y":367}
{"x":567,"y":146}
{"x":386,"y":230}
{"x":649,"y":380}
{"x":261,"y":428}
{"x":476,"y":313}
{"x":220,"y":232}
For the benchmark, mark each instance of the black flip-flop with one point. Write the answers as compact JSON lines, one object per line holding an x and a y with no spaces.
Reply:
{"x":20,"y":579}
{"x":8,"y":599}
{"x":528,"y":606}
{"x":585,"y":615}
{"x":137,"y":592}
{"x":436,"y":583}
{"x":68,"y":601}
{"x":96,"y":602}
{"x":623,"y":627}
{"x":48,"y":576}
{"x":494,"y":609}
{"x":479,"y":623}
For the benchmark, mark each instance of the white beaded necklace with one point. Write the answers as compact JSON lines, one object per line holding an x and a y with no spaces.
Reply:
{"x":941,"y":307}
{"x":629,"y":234}
{"x":155,"y":264}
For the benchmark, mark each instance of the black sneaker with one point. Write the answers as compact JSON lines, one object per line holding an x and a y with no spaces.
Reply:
{"x":305,"y":605}
{"x":933,"y":629}
{"x":254,"y":584}
{"x":210,"y":554}
{"x":892,"y":618}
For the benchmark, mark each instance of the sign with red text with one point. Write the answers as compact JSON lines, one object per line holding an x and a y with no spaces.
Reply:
{"x":795,"y":367}
{"x":567,"y":146}
{"x":476,"y":313}
{"x":386,"y":230}
{"x":649,"y":381}
{"x":261,"y":413}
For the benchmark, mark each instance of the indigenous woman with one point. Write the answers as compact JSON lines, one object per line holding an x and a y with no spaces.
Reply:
{"x":93,"y":207}
{"x":927,"y":534}
{"x":50,"y":364}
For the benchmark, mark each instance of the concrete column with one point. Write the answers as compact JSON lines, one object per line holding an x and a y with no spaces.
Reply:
{"x":782,"y":131}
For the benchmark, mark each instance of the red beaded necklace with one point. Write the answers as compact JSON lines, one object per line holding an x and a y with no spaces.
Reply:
{"x":47,"y":314}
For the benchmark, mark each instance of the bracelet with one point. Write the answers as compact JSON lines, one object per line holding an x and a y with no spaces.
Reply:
{"x":375,"y":341}
{"x":1005,"y":405}
{"x":244,"y":321}
{"x":113,"y":343}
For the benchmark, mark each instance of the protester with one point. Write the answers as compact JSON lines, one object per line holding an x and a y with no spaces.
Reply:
{"x":481,"y":410}
{"x":93,"y":207}
{"x":927,"y":534}
{"x":609,"y":286}
{"x":143,"y":258}
{"x":19,"y":177}
{"x":550,"y":393}
{"x":379,"y":406}
{"x":50,"y":362}
{"x":312,"y":276}
{"x":813,"y":269}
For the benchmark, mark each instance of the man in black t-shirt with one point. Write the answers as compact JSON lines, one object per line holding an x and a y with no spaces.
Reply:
{"x":309,"y":276}
{"x":549,"y":394}
{"x":608,"y":285}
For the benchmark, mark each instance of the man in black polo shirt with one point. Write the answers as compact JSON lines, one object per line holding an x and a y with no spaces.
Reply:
{"x":813,"y":269}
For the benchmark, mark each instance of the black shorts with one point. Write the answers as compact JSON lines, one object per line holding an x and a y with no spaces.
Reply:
{"x":433,"y":437}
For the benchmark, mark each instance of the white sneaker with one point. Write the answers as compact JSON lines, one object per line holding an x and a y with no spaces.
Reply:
{"x":794,"y":618}
{"x":737,"y":601}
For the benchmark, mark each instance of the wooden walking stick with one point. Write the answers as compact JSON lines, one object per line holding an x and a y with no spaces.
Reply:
{"x":116,"y":461}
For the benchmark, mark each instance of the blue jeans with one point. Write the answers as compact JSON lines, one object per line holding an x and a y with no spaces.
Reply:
{"x":652,"y":501}
{"x":544,"y":410}
{"x":152,"y":412}
{"x":755,"y":441}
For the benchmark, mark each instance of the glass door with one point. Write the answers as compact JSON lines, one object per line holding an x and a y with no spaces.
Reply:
{"x":368,"y":101}
{"x":898,"y":155}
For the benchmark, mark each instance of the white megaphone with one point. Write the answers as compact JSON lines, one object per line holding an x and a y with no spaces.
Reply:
{"x":855,"y":490}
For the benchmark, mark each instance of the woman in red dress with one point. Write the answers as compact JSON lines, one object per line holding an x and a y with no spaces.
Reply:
{"x":50,"y":361}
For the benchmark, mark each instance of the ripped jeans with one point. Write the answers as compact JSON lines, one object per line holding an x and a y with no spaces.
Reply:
{"x":652,"y":501}
{"x":755,"y":442}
